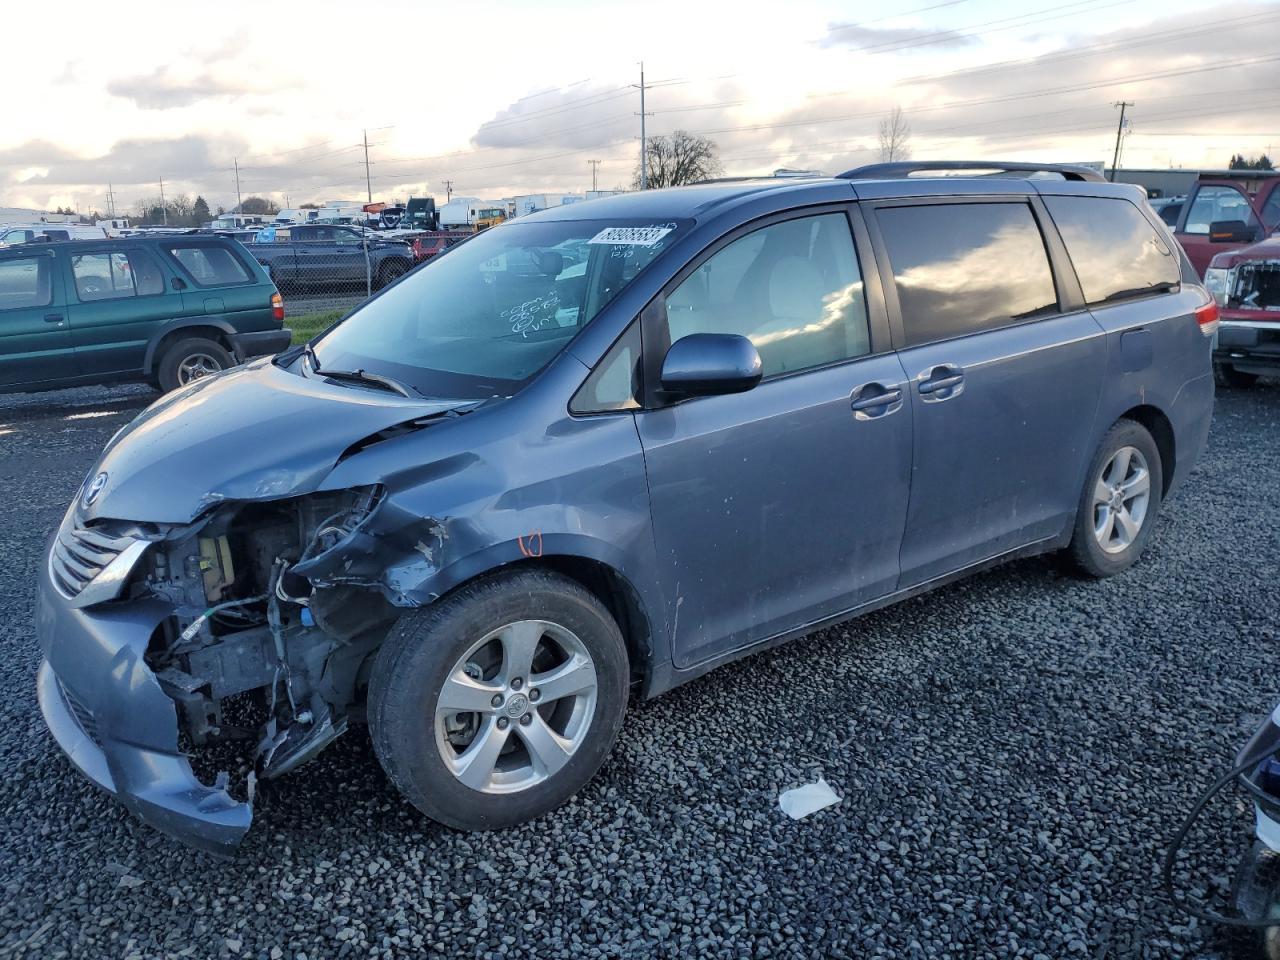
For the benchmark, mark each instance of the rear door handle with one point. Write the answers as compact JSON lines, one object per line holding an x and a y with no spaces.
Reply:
{"x":53,"y":318}
{"x":941,"y":382}
{"x":873,"y":400}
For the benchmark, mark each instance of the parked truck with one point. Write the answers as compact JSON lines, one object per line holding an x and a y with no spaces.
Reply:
{"x":312,"y":257}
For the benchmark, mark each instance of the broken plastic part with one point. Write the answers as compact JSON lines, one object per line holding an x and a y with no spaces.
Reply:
{"x":799,"y":802}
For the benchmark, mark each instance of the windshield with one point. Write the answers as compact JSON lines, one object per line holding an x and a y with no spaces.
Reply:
{"x":484,"y":320}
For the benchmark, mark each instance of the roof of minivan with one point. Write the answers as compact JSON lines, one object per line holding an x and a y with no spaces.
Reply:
{"x":701,"y":199}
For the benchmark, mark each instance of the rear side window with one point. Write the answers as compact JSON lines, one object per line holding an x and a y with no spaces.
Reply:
{"x":794,"y":289}
{"x":56,"y":234}
{"x":26,"y":282}
{"x":964,"y":268}
{"x":1116,"y":251}
{"x":210,"y":266}
{"x":107,"y":276}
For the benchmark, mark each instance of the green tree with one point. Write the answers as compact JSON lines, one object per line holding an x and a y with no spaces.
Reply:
{"x":200,"y":212}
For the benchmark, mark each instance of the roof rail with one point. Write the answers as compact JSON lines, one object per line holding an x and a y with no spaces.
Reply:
{"x":903,"y":169}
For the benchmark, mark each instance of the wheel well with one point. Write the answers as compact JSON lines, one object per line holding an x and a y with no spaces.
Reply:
{"x":209,"y":333}
{"x":1161,"y":431}
{"x":610,"y":588}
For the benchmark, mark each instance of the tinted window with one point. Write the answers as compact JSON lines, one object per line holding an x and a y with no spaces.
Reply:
{"x":56,"y":234}
{"x":25,"y":283}
{"x":1169,"y":213}
{"x":962,"y":268}
{"x":1214,"y":204}
{"x":615,"y":383}
{"x":1117,"y":253}
{"x":210,"y":266}
{"x":793,"y":289}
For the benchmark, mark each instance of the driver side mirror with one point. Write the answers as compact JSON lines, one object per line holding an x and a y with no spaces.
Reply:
{"x":1231,"y":231}
{"x":707,"y":364}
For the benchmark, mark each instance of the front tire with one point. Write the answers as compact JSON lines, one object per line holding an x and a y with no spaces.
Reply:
{"x":1119,"y":503}
{"x":495,"y":705}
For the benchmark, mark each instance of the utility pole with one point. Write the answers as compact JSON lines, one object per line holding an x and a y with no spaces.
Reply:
{"x":1115,"y":159}
{"x":448,"y":190}
{"x":368,"y":184}
{"x":595,"y":168}
{"x":239,"y":202}
{"x":164,"y":209}
{"x":111,"y":201}
{"x":644,"y":149}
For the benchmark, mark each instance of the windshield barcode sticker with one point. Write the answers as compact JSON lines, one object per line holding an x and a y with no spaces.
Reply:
{"x":631,"y":236}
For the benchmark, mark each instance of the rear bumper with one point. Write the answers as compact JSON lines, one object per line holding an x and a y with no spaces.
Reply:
{"x":108,"y":713}
{"x":263,"y":342}
{"x":1249,"y":345}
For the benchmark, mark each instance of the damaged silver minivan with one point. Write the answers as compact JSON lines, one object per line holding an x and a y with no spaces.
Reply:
{"x":605,"y":448}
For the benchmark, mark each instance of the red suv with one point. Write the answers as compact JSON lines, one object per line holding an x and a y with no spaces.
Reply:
{"x":429,"y":245}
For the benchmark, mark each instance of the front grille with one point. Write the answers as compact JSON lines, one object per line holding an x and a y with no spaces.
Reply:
{"x":83,"y":715}
{"x":80,"y":554}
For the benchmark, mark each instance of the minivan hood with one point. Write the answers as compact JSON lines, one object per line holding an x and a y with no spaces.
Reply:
{"x":253,"y":433}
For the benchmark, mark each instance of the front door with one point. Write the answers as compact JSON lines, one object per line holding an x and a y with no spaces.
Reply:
{"x":35,"y":340}
{"x":778,"y":507}
{"x":1213,"y":203}
{"x":1004,"y":384}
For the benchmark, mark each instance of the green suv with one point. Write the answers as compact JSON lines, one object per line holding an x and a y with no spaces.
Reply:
{"x":167,"y":309}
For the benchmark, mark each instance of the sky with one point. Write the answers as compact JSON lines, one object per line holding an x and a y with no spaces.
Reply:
{"x":507,"y":98}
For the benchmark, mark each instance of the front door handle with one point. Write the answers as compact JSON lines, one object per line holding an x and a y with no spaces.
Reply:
{"x":53,"y":318}
{"x":941,"y":382}
{"x":872,"y":400}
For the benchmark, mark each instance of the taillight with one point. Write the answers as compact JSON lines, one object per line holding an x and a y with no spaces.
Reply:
{"x":277,"y":307}
{"x":1207,"y":317}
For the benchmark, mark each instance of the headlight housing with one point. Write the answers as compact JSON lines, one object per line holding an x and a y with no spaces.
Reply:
{"x":1218,"y":281}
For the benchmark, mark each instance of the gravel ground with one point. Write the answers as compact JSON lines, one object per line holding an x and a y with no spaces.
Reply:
{"x":1012,"y":752}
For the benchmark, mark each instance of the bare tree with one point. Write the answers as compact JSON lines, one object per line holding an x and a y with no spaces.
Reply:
{"x":679,"y":159}
{"x":259,"y":205}
{"x":895,"y":137}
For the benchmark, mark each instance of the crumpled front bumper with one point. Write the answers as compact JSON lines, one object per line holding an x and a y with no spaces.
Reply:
{"x":106,"y":709}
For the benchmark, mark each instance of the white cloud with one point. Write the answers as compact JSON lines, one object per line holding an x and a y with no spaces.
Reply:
{"x":514,"y":97}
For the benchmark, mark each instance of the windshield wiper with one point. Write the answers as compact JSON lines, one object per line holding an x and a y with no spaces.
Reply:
{"x":377,"y":379}
{"x":1164,"y":286}
{"x":360,"y":376}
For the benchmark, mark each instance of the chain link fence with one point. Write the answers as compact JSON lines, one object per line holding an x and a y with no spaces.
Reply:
{"x":325,"y":271}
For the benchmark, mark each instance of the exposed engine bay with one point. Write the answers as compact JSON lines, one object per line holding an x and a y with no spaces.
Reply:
{"x":1256,"y":286}
{"x":254,"y":654}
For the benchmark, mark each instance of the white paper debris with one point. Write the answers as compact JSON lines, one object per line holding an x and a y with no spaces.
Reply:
{"x":812,"y":797}
{"x":631,"y":236}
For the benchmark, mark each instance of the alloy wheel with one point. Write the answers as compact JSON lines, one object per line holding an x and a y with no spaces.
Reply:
{"x":197,"y":365}
{"x":1121,"y":495}
{"x":516,"y":706}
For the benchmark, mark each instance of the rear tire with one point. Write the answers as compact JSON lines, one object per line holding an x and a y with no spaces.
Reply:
{"x":391,"y":271}
{"x":188,"y":359}
{"x":1225,"y":375}
{"x":498,"y":703}
{"x":1118,"y":506}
